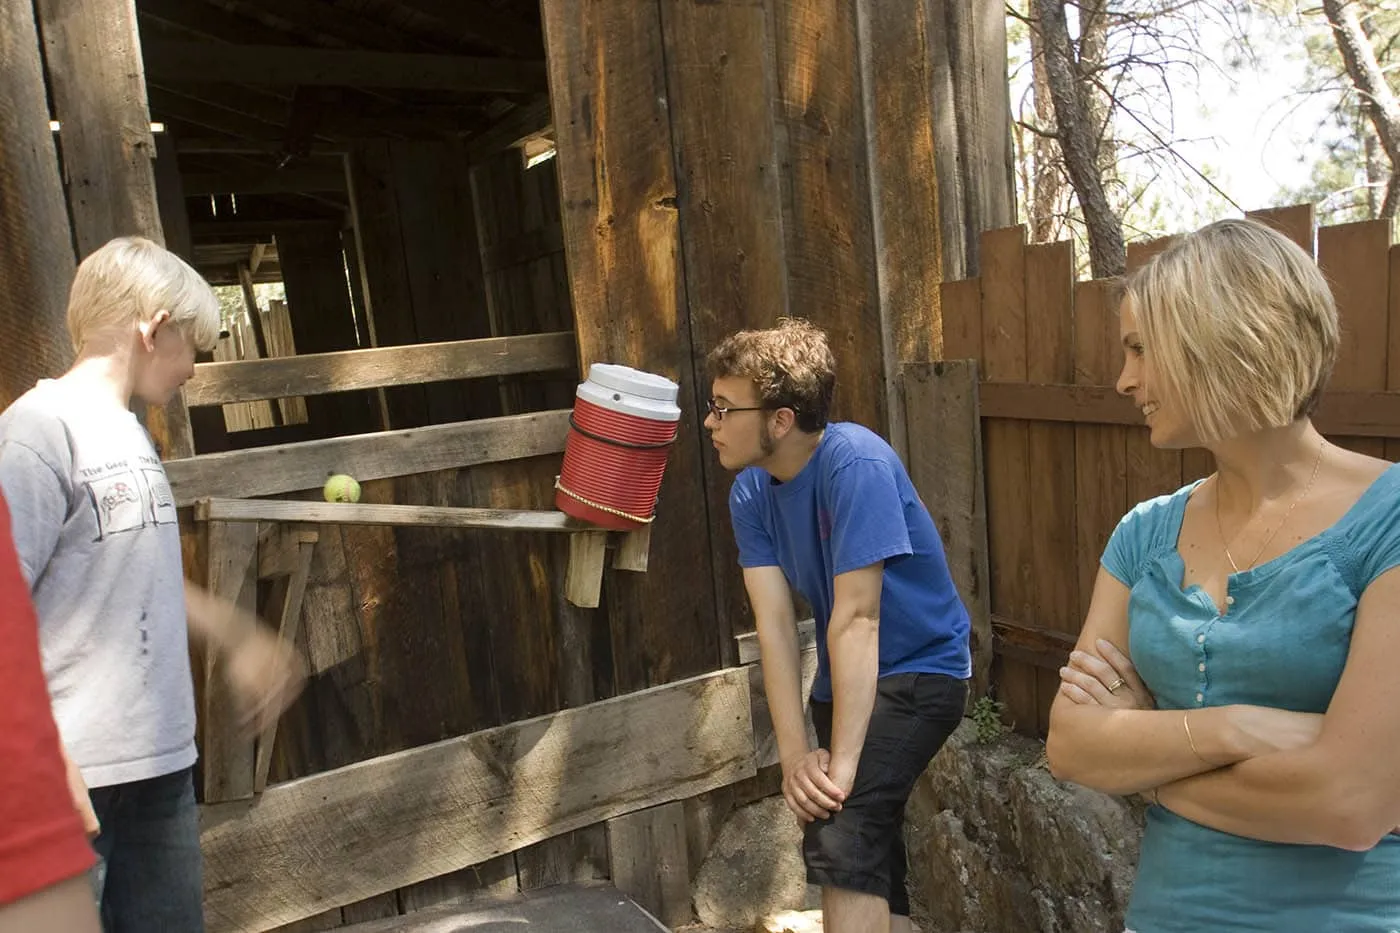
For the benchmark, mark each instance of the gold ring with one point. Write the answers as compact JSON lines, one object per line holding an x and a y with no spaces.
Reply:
{"x":1113,"y":687}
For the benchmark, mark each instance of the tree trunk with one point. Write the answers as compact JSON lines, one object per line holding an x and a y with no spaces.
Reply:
{"x":1079,"y":142}
{"x":1046,"y":184}
{"x":1378,"y":100}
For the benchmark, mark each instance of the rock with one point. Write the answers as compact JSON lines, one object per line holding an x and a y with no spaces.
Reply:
{"x":791,"y":921}
{"x":996,"y":843}
{"x":754,"y":868}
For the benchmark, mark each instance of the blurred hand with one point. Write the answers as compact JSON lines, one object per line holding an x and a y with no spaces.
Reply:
{"x":266,"y":675}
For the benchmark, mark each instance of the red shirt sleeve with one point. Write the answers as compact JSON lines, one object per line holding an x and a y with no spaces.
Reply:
{"x":41,"y":836}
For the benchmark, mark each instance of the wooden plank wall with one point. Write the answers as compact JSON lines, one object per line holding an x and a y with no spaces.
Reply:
{"x":36,"y":264}
{"x":1055,"y":489}
{"x":778,"y":159}
{"x":521,"y":242}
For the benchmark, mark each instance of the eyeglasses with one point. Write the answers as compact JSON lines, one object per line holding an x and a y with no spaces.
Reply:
{"x":720,"y":411}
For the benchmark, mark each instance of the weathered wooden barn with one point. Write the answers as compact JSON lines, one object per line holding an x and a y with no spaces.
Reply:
{"x":488,"y":708}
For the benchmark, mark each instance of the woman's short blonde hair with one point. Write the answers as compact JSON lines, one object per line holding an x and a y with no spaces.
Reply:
{"x":129,"y":280}
{"x":1240,"y":327}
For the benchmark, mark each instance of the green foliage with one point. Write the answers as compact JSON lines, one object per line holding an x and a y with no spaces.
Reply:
{"x":987,"y":720}
{"x":1349,"y":169}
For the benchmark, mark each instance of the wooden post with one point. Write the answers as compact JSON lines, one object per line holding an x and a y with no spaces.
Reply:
{"x":898,"y":100}
{"x":587,"y":554}
{"x":718,"y":57}
{"x":170,"y":197}
{"x":945,"y":463}
{"x":828,"y":218}
{"x":617,"y":180}
{"x":635,"y":550}
{"x":291,"y":590}
{"x":650,"y":861}
{"x":93,"y":57}
{"x":36,"y":263}
{"x":250,"y":303}
{"x":318,"y":300}
{"x":1004,"y":355}
{"x":971,"y":128}
{"x":232,"y":574}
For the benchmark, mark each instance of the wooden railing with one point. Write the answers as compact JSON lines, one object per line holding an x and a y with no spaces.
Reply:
{"x":378,"y":367}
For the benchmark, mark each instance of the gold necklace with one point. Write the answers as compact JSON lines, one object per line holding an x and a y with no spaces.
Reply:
{"x":1301,"y":496}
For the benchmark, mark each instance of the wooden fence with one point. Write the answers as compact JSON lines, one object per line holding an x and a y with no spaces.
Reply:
{"x":1065,"y":457}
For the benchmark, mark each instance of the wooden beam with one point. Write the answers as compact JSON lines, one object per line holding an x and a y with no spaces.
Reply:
{"x":227,"y":757}
{"x":366,"y":513}
{"x":1033,"y":645}
{"x":332,"y":24}
{"x":262,"y":125}
{"x":271,"y":181}
{"x":170,"y":194}
{"x":338,"y":837}
{"x":1357,"y":413}
{"x":279,"y":546}
{"x":292,"y":590}
{"x":301,"y":66}
{"x":212,"y":145}
{"x":525,"y":120}
{"x":583,"y":585}
{"x":250,"y":305}
{"x":167,"y":106}
{"x":93,"y":56}
{"x":267,"y":471}
{"x":748,"y":642}
{"x":765,"y":739}
{"x":36,"y":263}
{"x":650,"y":862}
{"x":207,"y":230}
{"x":206,"y":20}
{"x":634,"y":553}
{"x":486,"y":24}
{"x":319,"y":373}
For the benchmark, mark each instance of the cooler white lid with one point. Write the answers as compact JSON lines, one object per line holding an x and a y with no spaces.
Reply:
{"x":633,"y":381}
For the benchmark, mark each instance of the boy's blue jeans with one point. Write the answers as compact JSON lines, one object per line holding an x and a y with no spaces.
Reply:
{"x":149,"y":876}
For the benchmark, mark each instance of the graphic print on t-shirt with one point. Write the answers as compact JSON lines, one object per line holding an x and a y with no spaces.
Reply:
{"x":127,"y":499}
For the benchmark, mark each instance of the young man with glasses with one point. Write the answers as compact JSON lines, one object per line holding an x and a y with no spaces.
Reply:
{"x":828,"y":510}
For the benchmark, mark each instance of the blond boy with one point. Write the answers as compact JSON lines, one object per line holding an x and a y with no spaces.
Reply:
{"x":96,"y":531}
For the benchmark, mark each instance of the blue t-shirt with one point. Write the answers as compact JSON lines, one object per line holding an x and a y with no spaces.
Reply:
{"x":1283,"y":643}
{"x":853,"y":505}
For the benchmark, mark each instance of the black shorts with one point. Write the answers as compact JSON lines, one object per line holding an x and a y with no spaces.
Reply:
{"x":861,"y":846}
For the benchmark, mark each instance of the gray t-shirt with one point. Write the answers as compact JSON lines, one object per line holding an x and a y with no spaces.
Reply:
{"x":96,"y":529}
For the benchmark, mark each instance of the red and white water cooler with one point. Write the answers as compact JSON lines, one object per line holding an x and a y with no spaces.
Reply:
{"x":623,"y":425}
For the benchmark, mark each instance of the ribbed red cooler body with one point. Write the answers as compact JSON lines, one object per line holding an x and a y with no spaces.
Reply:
{"x":613,"y":465}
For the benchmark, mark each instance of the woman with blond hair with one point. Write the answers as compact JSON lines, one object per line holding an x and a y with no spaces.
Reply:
{"x":1237,"y":665}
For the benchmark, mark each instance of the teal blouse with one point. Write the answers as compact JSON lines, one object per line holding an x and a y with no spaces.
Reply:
{"x":1283,"y":643}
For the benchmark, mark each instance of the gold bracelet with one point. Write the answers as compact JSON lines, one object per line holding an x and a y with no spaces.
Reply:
{"x":1186,"y":724}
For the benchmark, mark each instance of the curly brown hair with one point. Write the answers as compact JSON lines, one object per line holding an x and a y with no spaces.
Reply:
{"x":791,"y":364}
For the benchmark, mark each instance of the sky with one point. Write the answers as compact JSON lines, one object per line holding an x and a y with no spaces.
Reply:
{"x":1255,"y":131}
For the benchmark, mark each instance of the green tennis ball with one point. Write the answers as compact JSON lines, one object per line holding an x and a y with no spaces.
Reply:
{"x":341,"y":488}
